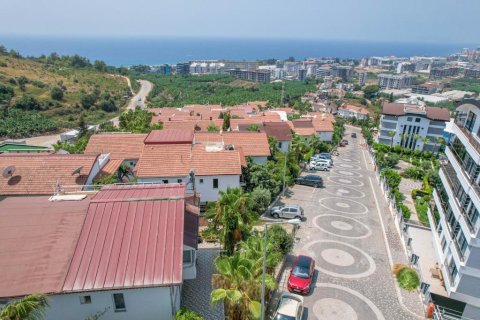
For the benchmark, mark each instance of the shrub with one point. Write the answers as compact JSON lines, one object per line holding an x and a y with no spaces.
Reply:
{"x":408,"y":279}
{"x":56,"y":93}
{"x":426,"y":186}
{"x":416,"y":162}
{"x":259,"y":200}
{"x":421,"y":206}
{"x":280,"y":239}
{"x":392,"y":177}
{"x":185,"y":314}
{"x":406,"y":212}
{"x":415,"y":173}
{"x":27,"y":103}
{"x":426,"y":165}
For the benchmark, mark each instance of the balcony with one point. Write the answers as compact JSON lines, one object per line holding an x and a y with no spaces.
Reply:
{"x":472,"y":138}
{"x":457,"y":163}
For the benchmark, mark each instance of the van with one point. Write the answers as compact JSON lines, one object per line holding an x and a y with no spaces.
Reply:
{"x":324,"y":161}
{"x":321,"y":166}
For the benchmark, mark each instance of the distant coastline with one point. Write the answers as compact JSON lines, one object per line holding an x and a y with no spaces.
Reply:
{"x":127,"y":51}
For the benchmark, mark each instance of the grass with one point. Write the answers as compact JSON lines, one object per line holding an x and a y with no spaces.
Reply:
{"x":465,"y":84}
{"x":408,"y":279}
{"x":76,"y":82}
{"x":421,"y":206}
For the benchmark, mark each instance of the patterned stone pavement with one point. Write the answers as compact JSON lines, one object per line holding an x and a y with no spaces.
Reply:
{"x":196,"y":293}
{"x":350,"y":233}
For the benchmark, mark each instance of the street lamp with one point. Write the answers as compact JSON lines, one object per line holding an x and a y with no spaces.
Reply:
{"x":294,"y":222}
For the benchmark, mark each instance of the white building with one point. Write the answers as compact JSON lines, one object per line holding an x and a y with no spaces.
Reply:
{"x":395,"y":81}
{"x":281,"y":132}
{"x":350,"y":111}
{"x":411,"y":124}
{"x":454,"y":220}
{"x":122,"y":253}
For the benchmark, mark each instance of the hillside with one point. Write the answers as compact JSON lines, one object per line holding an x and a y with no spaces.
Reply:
{"x":177,"y":91}
{"x":46,"y":94}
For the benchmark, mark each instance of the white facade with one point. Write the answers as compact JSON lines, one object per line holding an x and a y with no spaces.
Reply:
{"x":101,"y":161}
{"x":325,"y":136}
{"x":283,"y":146}
{"x":348,"y":113}
{"x":456,"y":224}
{"x":205,"y":185}
{"x":411,"y":125}
{"x":158,"y":303}
{"x":261,"y":159}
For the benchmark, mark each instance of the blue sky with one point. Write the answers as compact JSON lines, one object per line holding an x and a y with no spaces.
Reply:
{"x":452,"y":21}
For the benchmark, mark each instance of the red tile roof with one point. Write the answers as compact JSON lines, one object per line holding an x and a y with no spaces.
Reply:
{"x":322,"y":122}
{"x":169,"y":136}
{"x":123,"y":146}
{"x":110,"y":168}
{"x":225,"y":162}
{"x":254,"y":144}
{"x":37,"y":241}
{"x":302,"y":127}
{"x":279,"y":130}
{"x":432,"y":113}
{"x":354,"y":109}
{"x":37,"y":174}
{"x":132,"y":237}
{"x":167,"y":160}
{"x":197,"y":125}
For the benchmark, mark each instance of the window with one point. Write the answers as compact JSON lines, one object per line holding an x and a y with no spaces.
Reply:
{"x":165,"y":181}
{"x":119,"y":302}
{"x":187,"y":257}
{"x":85,"y":299}
{"x":444,"y":244}
{"x":179,"y":180}
{"x":409,"y":119}
{"x":201,"y":180}
{"x":215,"y":183}
{"x":417,"y":119}
{"x":470,"y":121}
{"x":280,"y":145}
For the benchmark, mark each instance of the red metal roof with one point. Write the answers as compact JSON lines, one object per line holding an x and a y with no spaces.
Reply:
{"x":132,"y":237}
{"x":170,"y":136}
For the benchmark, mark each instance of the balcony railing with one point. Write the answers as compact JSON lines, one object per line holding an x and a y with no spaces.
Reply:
{"x":470,"y":136}
{"x":451,"y":176}
{"x":471,"y":178}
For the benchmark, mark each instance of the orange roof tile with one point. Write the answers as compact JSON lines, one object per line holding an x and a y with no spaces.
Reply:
{"x":111,"y":167}
{"x":37,"y":174}
{"x":123,"y":146}
{"x":225,"y":162}
{"x":252,"y":143}
{"x":169,"y":136}
{"x":164,"y":160}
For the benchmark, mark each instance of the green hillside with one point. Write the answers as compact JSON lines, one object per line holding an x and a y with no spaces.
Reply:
{"x":47,"y":94}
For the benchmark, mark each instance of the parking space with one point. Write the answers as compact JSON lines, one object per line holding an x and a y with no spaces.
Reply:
{"x":344,"y":233}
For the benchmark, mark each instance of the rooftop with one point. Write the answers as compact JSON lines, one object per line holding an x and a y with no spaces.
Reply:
{"x":170,"y":136}
{"x":252,"y":143}
{"x":123,"y":146}
{"x":432,"y":113}
{"x":37,"y":174}
{"x":279,"y":130}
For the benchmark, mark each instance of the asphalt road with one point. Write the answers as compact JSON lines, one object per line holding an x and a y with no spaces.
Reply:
{"x":345,"y":235}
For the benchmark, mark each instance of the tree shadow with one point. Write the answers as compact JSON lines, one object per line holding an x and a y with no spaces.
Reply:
{"x":14,"y":180}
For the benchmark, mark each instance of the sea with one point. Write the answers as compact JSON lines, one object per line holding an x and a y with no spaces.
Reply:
{"x":126,"y":51}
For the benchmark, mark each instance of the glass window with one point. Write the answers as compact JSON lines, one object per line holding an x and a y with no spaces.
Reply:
{"x":470,"y":121}
{"x":215,"y":183}
{"x":165,"y":181}
{"x":409,"y":119}
{"x":201,"y":180}
{"x":119,"y":302}
{"x":179,"y":180}
{"x":85,"y":299}
{"x":187,"y":257}
{"x":417,"y":119}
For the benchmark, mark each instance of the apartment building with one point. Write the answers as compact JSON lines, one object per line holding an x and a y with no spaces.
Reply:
{"x":472,"y":73}
{"x":344,"y":72}
{"x":257,"y":75}
{"x":395,"y":81}
{"x":183,"y":68}
{"x":323,"y":72}
{"x":362,"y":78}
{"x":425,"y":88}
{"x":415,"y":126}
{"x":442,"y":72}
{"x":454,"y":217}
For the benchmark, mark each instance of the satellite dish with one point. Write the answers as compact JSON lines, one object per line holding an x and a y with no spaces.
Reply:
{"x":8,"y":171}
{"x":77,"y":171}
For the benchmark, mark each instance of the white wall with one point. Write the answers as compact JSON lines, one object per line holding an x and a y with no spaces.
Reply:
{"x":283,"y":146}
{"x":325,"y":136}
{"x":204,"y":185}
{"x":259,"y":159}
{"x":190,"y":269}
{"x":101,"y":161}
{"x":161,"y":179}
{"x":142,"y":303}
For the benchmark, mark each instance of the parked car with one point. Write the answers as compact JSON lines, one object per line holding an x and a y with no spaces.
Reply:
{"x":345,"y":141}
{"x":301,"y":275}
{"x":354,"y":135}
{"x":321,"y":166}
{"x":289,"y":307}
{"x":292,"y":211}
{"x":310,"y":180}
{"x":342,"y":144}
{"x":327,"y":162}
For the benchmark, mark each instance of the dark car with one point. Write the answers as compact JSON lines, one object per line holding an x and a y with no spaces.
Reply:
{"x":354,"y":135}
{"x":301,"y":275}
{"x":310,"y":180}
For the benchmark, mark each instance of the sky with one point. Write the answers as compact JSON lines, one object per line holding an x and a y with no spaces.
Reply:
{"x":436,"y":21}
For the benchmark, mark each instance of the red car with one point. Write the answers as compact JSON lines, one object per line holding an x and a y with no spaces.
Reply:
{"x":301,"y":275}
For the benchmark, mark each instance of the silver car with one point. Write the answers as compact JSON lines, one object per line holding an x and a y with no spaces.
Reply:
{"x":291,"y":211}
{"x":290,"y":307}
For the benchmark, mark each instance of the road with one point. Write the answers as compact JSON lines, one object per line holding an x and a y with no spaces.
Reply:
{"x":348,"y":233}
{"x":137,"y":100}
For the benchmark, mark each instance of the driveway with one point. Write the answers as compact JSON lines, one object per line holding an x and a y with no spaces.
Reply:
{"x":349,"y":234}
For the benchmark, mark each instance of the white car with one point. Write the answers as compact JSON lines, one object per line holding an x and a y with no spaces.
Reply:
{"x":290,"y":307}
{"x":322,"y":161}
{"x":321,"y":166}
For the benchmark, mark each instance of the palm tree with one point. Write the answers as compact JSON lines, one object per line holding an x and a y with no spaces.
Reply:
{"x":405,"y":137}
{"x":298,"y":146}
{"x":439,"y":141}
{"x":238,"y":283}
{"x":28,"y":308}
{"x":124,"y":171}
{"x":231,"y":212}
{"x":391,"y":133}
{"x":425,"y":141}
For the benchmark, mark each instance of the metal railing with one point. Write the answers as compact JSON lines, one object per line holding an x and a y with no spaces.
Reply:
{"x":470,"y":136}
{"x":471,"y":178}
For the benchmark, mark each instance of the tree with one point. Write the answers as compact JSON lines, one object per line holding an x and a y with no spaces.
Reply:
{"x":370,"y":91}
{"x":226,"y":121}
{"x":390,"y":97}
{"x":391,"y":134}
{"x":405,"y":137}
{"x":439,"y":141}
{"x":259,"y":200}
{"x":82,"y":126}
{"x":212,"y":128}
{"x":231,"y":216}
{"x":124,"y":172}
{"x":56,"y":93}
{"x":22,"y":81}
{"x":100,"y":66}
{"x":27,"y":102}
{"x":185,"y":314}
{"x":425,"y":141}
{"x":87,"y":100}
{"x":137,"y":121}
{"x":253,"y":127}
{"x":28,"y":308}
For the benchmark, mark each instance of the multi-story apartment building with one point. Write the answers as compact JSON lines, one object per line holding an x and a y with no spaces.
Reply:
{"x":183,"y":68}
{"x":438,"y":72}
{"x":257,"y":75}
{"x":425,"y":88}
{"x":414,"y":126}
{"x":362,"y":78}
{"x":472,"y":72}
{"x":302,"y":74}
{"x":454,"y":217}
{"x":395,"y":81}
{"x":323,"y":72}
{"x":344,"y":72}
